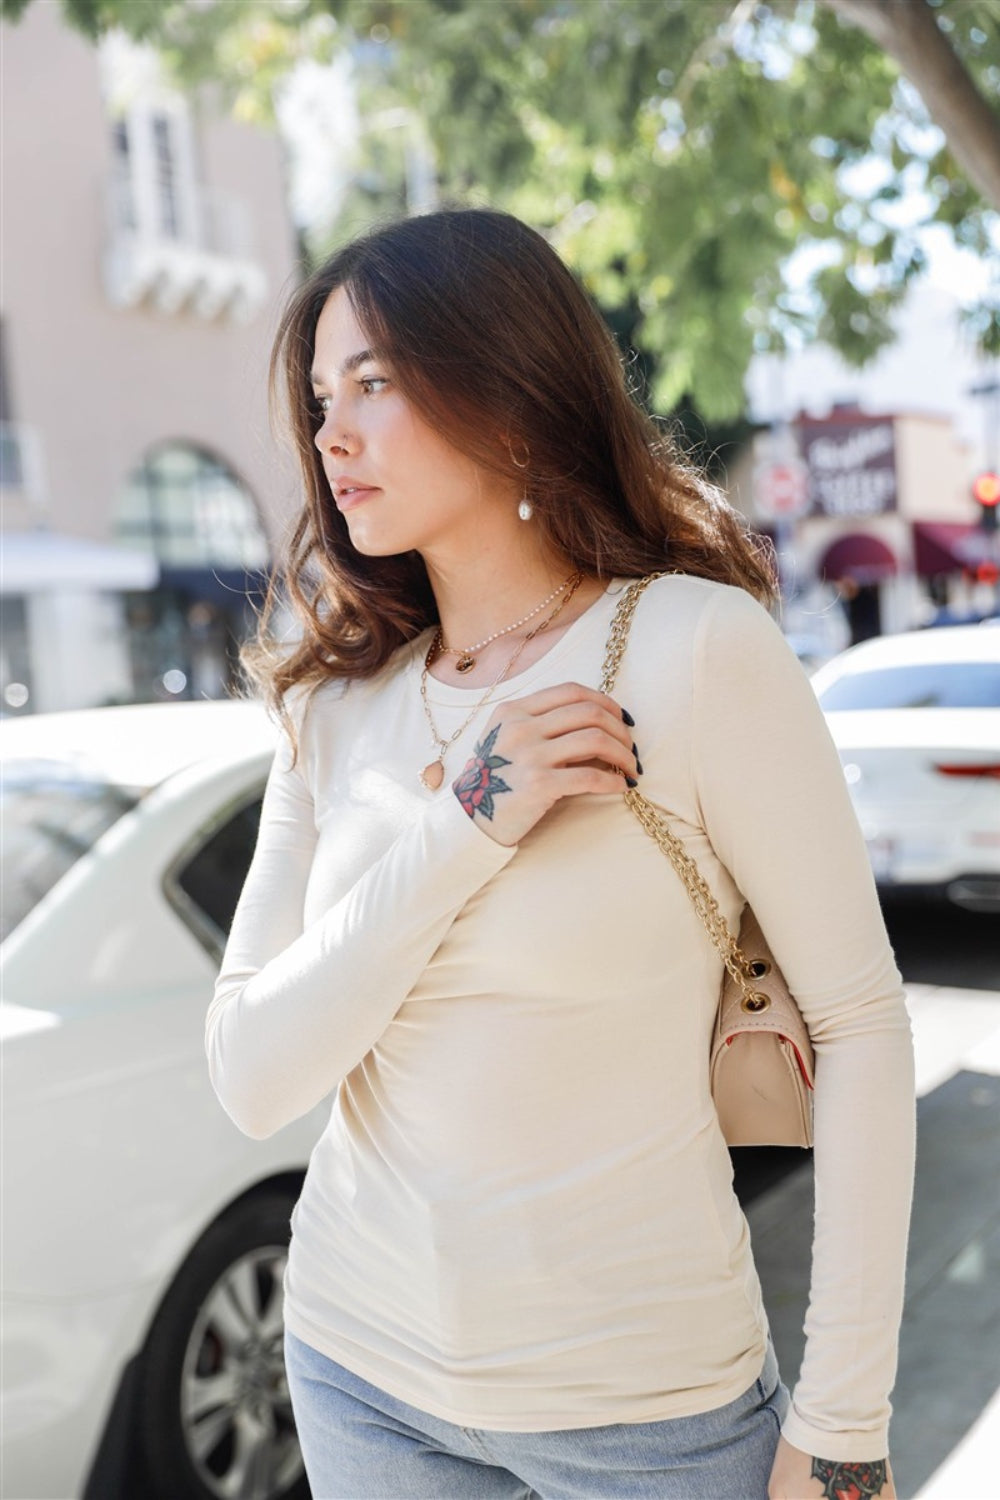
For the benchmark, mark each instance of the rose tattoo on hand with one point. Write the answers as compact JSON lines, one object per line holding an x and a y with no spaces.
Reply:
{"x":842,"y":1481}
{"x":478,"y":784}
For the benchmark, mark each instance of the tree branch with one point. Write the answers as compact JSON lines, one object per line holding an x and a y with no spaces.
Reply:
{"x":716,"y":39}
{"x":908,"y":31}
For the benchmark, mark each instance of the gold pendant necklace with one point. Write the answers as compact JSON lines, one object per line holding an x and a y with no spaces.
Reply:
{"x":468,"y":655}
{"x":432,"y":774}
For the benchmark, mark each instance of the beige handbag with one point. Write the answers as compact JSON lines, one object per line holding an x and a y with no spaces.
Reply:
{"x":761,"y":1069}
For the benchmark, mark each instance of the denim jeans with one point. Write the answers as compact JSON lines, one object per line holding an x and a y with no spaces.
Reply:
{"x":361,"y":1444}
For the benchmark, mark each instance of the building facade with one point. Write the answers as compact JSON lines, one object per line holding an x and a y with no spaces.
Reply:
{"x":873,"y":517}
{"x":147,"y":247}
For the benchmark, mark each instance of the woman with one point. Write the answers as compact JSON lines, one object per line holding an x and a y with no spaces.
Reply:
{"x":518,"y":1267}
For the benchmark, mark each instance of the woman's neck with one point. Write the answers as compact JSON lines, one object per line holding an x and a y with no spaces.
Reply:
{"x":482,"y":603}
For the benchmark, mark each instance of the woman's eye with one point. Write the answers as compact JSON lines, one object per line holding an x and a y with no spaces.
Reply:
{"x":371,"y":385}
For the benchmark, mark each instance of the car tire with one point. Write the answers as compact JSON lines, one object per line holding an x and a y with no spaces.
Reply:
{"x":213,"y":1415}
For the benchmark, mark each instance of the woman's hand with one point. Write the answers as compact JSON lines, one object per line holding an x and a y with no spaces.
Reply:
{"x":798,"y":1476}
{"x":559,"y":742}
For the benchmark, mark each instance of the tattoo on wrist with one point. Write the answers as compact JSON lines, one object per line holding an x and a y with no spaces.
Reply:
{"x":850,"y":1481}
{"x":479,"y":783}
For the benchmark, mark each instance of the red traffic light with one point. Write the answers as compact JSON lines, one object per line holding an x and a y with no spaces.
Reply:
{"x":986,"y":488}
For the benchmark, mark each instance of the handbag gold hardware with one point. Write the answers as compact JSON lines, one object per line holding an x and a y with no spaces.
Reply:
{"x":761,"y":1067}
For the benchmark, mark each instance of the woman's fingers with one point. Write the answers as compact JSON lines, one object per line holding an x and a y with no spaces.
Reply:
{"x":584,"y":714}
{"x":569,"y":709}
{"x":564,"y":736}
{"x":576,"y":781}
{"x":590,"y":744}
{"x":566,"y":693}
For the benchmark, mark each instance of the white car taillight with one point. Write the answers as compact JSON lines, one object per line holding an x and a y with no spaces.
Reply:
{"x":988,"y":768}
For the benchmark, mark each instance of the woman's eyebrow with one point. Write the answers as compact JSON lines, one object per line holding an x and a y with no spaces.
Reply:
{"x":351,"y":363}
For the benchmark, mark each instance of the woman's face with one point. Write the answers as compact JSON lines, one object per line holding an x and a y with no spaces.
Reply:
{"x":399,"y":485}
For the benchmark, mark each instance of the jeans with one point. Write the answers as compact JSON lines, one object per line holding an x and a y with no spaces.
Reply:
{"x":361,"y":1444}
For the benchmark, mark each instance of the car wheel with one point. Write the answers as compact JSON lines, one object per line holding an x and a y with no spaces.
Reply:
{"x":214,"y":1415}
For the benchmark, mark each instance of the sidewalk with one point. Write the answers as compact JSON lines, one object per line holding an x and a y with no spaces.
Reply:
{"x":946,"y":1422}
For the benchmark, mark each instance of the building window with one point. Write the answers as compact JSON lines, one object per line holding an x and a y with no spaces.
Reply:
{"x":175,"y":241}
{"x":153,"y":173}
{"x":190,"y":509}
{"x":121,"y":183}
{"x":165,"y":158}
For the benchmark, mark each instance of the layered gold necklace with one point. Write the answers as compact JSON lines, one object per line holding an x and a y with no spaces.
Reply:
{"x":467,"y":654}
{"x":432,"y":774}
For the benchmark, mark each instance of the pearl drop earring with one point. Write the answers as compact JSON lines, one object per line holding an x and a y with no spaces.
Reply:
{"x":525,"y":510}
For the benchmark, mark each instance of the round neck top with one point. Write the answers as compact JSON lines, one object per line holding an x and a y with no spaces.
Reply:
{"x":593,"y":619}
{"x":520,"y":1214}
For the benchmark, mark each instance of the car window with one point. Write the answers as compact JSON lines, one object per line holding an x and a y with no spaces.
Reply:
{"x":938,"y":684}
{"x":213,"y":876}
{"x":51,"y":818}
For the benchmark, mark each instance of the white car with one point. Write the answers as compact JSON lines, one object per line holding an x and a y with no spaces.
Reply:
{"x":916,"y":719}
{"x":144,"y":1237}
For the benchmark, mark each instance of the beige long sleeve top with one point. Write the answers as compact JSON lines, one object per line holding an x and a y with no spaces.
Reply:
{"x":520,"y":1215}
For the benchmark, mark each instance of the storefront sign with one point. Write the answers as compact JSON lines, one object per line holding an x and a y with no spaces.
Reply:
{"x":852,"y":465}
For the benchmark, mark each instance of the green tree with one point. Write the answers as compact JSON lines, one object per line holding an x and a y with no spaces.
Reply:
{"x":725,"y":177}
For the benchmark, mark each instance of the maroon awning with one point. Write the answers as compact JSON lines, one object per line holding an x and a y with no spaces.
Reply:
{"x":948,"y":547}
{"x":859,"y":556}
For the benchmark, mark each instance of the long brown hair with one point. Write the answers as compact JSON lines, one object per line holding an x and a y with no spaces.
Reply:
{"x":494,"y":343}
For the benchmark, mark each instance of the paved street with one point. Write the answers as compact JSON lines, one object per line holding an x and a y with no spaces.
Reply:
{"x":946,"y":1424}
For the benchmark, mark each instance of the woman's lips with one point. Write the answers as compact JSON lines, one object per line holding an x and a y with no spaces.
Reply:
{"x":356,"y":495}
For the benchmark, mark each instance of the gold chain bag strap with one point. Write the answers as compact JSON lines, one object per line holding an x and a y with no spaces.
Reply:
{"x":761,"y":1069}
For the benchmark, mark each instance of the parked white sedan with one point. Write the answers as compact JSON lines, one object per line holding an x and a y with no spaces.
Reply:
{"x":916,"y":719}
{"x":143,"y":1236}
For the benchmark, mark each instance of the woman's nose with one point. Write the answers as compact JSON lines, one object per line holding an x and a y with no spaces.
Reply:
{"x":332,"y":437}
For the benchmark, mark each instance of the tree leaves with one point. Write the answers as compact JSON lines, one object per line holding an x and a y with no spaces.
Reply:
{"x":693,"y":162}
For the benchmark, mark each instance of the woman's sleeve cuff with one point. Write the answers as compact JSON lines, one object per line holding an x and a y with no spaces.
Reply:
{"x":861,"y":1445}
{"x":448,"y":824}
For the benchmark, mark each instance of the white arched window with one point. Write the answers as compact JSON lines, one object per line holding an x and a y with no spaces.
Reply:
{"x":188,"y":508}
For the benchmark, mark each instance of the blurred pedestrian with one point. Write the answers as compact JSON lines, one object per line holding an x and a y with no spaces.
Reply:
{"x":517,"y":1267}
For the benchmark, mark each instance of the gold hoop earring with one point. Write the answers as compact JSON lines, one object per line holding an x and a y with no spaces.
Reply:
{"x":527,"y":457}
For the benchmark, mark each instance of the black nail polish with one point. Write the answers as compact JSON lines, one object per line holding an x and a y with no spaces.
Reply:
{"x":630,"y":781}
{"x":638,"y":762}
{"x":628,"y":718}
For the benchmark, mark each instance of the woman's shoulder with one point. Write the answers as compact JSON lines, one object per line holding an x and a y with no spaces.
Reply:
{"x":701,"y":631}
{"x":302,"y":700}
{"x":334,"y":698}
{"x":685,"y":603}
